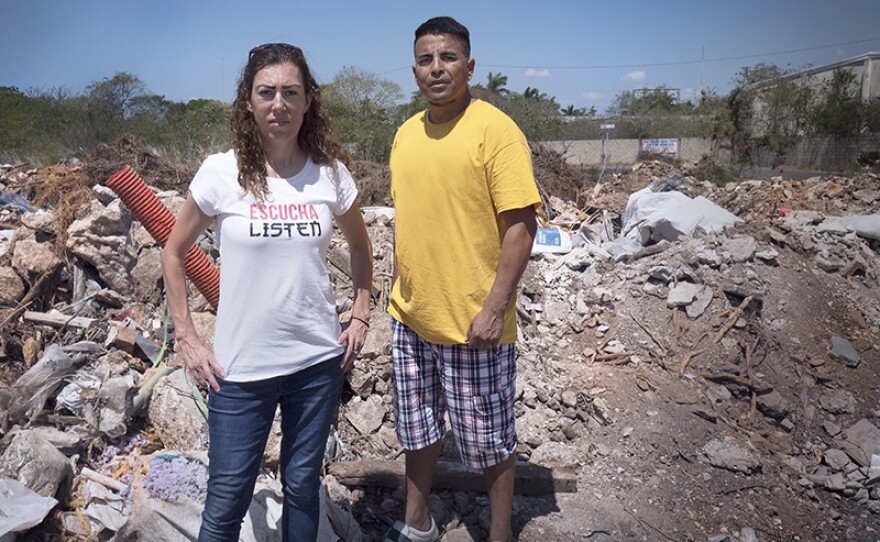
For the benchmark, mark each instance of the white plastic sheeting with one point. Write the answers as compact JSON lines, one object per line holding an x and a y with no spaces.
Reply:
{"x":21,"y":508}
{"x":650,"y":216}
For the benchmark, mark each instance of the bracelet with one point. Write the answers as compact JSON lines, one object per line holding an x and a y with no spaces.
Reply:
{"x":366,"y":323}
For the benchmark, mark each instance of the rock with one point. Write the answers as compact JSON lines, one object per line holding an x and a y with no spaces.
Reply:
{"x":873,"y":471}
{"x":843,"y":351}
{"x":836,"y":459}
{"x":102,"y":238}
{"x":175,"y":415}
{"x":835,"y":482}
{"x":837,"y":401}
{"x":831,"y":428}
{"x":459,"y":534}
{"x":35,"y":463}
{"x":553,"y":454}
{"x":32,"y":259}
{"x":768,"y":256}
{"x":828,"y":263}
{"x":204,"y":323}
{"x":700,"y":304}
{"x":12,"y":288}
{"x":728,"y":454}
{"x":683,"y":294}
{"x":146,"y":275}
{"x":361,"y":380}
{"x":861,"y":441}
{"x":378,"y":341}
{"x":739,"y":249}
{"x":40,"y":221}
{"x":569,"y":397}
{"x":66,"y":442}
{"x":867,"y":196}
{"x":773,"y":404}
{"x":366,"y":415}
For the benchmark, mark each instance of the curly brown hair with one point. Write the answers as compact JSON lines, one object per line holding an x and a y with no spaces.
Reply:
{"x":315,"y":136}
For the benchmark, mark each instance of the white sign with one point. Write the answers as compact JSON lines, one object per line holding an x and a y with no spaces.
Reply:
{"x":667,"y":147}
{"x":606,"y":126}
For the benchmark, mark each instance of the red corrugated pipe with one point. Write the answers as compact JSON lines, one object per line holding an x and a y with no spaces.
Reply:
{"x":158,"y":221}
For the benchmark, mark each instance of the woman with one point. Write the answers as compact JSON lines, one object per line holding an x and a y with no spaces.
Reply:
{"x":278,"y":340}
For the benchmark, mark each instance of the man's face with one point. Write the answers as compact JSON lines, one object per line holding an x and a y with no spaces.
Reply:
{"x":442,"y":69}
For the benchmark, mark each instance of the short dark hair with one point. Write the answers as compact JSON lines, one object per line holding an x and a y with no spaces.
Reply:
{"x":439,"y":26}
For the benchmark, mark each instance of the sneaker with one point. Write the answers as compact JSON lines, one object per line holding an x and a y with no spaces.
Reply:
{"x":402,"y":532}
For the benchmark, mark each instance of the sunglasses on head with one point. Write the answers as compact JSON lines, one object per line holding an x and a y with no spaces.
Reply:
{"x":265,"y":46}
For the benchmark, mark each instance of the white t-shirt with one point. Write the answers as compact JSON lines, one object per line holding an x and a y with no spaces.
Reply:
{"x":277,"y":311}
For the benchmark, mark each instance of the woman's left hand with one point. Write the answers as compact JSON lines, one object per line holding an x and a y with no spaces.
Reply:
{"x":354,"y":334}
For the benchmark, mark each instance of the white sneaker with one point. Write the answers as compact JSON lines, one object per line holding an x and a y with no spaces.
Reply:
{"x":402,"y":532}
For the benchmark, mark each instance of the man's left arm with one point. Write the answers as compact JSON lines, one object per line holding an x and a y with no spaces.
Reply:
{"x":516,"y":247}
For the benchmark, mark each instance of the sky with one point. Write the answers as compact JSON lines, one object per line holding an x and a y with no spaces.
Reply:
{"x":583,"y":53}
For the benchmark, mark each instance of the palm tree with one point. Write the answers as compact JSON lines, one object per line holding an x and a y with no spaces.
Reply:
{"x":571,"y":111}
{"x":496,"y":83}
{"x":534,"y":94}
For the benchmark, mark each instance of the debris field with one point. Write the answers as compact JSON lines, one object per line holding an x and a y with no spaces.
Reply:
{"x":697,"y":362}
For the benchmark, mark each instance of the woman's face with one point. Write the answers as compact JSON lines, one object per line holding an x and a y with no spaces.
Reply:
{"x":279,"y":101}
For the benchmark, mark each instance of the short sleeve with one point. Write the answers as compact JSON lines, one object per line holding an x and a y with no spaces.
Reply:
{"x":205,"y":187}
{"x":511,"y":179}
{"x":346,"y":191}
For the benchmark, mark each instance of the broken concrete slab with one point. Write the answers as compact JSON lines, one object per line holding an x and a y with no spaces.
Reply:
{"x":35,"y":463}
{"x":683,"y":294}
{"x":701,"y":303}
{"x":103,"y":239}
{"x":843,"y":350}
{"x":861,"y":441}
{"x":739,"y":249}
{"x":175,"y":414}
{"x":32,"y":259}
{"x":729,"y":454}
{"x":12,"y":288}
{"x":366,"y":415}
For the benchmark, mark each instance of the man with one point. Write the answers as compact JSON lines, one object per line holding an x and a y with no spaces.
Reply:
{"x":465,"y":200}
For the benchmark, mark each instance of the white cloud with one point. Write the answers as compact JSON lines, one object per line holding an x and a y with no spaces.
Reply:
{"x":591,"y":96}
{"x":637,"y":76}
{"x":531,"y":72}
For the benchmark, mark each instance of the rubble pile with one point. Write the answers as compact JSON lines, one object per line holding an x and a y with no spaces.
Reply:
{"x":709,"y":384}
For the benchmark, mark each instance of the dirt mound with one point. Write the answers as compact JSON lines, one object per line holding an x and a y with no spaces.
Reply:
{"x":108,"y":158}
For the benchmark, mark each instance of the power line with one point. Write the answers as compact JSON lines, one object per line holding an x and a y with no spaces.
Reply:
{"x":684,"y":62}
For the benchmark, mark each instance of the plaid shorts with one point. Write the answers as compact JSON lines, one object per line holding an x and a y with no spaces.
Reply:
{"x":476,"y":387}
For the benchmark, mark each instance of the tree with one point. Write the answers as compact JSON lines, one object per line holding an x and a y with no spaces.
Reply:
{"x":571,"y":111}
{"x":767,"y":109}
{"x":534,"y":94}
{"x":839,"y":110}
{"x":112,"y":101}
{"x":364,"y":111}
{"x":496,"y":83}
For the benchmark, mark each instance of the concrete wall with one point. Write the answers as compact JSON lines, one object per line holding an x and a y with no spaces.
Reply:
{"x":824,"y":153}
{"x":817,"y":153}
{"x":625,"y":151}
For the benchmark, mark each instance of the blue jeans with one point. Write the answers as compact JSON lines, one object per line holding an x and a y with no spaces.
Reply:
{"x":240,"y":418}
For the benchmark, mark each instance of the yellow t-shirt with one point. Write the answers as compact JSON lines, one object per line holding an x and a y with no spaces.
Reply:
{"x":450,"y":182}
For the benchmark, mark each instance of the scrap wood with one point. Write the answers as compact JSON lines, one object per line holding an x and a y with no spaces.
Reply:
{"x":732,"y":319}
{"x":688,"y":356}
{"x":613,"y":359}
{"x":530,"y":479}
{"x":663,"y":349}
{"x":59,"y":320}
{"x":106,"y":481}
{"x":757,"y":387}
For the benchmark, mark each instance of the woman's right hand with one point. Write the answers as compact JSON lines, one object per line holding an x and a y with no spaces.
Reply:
{"x":200,"y":361}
